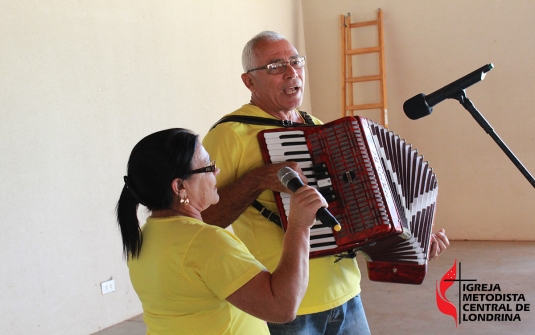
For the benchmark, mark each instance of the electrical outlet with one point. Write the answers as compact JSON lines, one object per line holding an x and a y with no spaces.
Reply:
{"x":108,"y":286}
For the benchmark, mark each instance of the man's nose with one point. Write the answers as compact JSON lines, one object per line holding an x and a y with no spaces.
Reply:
{"x":290,"y":72}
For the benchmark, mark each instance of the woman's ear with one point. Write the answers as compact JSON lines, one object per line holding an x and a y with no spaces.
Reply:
{"x":176,"y":185}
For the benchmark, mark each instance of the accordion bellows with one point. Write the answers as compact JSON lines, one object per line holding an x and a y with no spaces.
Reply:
{"x":380,"y":190}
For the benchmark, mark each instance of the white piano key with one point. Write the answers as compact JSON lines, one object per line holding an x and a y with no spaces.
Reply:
{"x":288,"y":144}
{"x":325,"y":247}
{"x":278,"y":149}
{"x":322,"y":240}
{"x":284,"y":158}
{"x":305,"y":164}
{"x":320,"y":231}
{"x":302,"y":164}
{"x":276,"y":135}
{"x":285,"y":142}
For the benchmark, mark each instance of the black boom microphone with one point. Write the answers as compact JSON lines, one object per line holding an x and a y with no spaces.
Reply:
{"x":290,"y":179}
{"x":421,"y":105}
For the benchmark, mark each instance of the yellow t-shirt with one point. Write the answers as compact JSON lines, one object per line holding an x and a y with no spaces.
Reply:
{"x":236,"y":149}
{"x":185,"y":272}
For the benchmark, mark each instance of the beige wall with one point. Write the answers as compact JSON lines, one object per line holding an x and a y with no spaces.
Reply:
{"x":482,"y":195}
{"x":81,"y":82}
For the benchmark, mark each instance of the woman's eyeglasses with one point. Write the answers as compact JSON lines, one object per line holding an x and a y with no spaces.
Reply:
{"x":210,"y":168}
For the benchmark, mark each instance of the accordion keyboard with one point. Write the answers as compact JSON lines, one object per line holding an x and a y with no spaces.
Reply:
{"x":291,"y":146}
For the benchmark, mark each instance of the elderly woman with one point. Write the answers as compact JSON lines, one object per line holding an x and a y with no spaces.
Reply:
{"x":195,"y":278}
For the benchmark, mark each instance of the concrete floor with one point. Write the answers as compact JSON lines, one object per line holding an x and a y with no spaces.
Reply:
{"x":412,"y":309}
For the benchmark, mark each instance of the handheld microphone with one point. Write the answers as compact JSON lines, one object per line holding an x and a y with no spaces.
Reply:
{"x":290,"y":179}
{"x":421,"y":105}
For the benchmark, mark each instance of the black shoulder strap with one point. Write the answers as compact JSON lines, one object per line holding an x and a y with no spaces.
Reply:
{"x":307,"y":118}
{"x":269,"y":215}
{"x":264,"y":121}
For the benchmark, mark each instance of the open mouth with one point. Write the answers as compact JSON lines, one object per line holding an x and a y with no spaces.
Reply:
{"x":292,"y":89}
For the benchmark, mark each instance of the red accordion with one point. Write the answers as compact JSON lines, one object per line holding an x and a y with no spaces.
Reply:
{"x":380,"y":190}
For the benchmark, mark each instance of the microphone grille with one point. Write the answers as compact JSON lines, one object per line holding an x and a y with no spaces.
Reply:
{"x":286,"y":174}
{"x":416,"y":107}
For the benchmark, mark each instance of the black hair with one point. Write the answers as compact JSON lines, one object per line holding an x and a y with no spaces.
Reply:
{"x":154,"y":163}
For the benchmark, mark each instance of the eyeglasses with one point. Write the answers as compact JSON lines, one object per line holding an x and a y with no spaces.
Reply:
{"x":278,"y":68}
{"x":210,"y":168}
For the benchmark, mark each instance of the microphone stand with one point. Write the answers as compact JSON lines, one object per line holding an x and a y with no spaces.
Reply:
{"x":469,"y":106}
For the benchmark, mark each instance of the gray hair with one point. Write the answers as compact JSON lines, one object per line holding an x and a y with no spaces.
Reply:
{"x":248,"y":57}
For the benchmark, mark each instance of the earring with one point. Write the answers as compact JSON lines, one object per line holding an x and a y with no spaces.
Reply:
{"x":184,"y":201}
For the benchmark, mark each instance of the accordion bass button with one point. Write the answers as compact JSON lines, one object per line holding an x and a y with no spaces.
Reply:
{"x":394,"y":270}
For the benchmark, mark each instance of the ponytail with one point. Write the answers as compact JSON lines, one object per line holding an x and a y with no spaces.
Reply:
{"x":128,"y":221}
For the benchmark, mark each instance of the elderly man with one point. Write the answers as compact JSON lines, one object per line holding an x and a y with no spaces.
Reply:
{"x":275,"y":75}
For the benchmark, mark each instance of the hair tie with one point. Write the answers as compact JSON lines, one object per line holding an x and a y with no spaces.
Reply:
{"x":131,"y":189}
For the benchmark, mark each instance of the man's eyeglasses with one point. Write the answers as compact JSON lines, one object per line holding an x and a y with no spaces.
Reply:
{"x":210,"y":168}
{"x":280,"y":67}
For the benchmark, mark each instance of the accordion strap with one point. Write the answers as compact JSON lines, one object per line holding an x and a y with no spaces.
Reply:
{"x":269,"y":215}
{"x":264,"y":121}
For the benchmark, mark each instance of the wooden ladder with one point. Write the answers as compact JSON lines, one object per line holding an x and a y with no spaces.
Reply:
{"x":348,"y":80}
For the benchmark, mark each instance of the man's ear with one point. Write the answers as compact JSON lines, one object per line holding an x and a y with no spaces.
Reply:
{"x":248,"y":81}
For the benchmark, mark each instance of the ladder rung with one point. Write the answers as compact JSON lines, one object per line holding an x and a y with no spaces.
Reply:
{"x":364,"y":78}
{"x":364,"y":24}
{"x":364,"y":106}
{"x":363,"y":51}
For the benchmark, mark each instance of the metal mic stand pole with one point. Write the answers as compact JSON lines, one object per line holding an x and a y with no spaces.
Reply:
{"x":469,"y":106}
